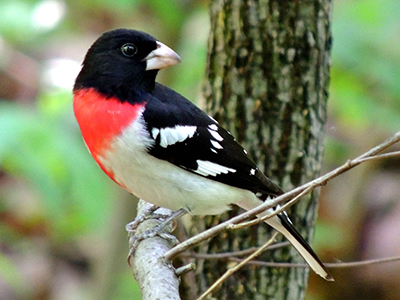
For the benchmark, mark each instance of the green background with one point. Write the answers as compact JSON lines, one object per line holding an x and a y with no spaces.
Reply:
{"x":62,"y":220}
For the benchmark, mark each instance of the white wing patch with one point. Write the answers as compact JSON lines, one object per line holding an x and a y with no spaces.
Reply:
{"x":173,"y":135}
{"x":215,"y":134}
{"x":216,"y":145}
{"x":213,"y":127}
{"x":207,"y":168}
{"x":213,"y":130}
{"x":155,"y":132}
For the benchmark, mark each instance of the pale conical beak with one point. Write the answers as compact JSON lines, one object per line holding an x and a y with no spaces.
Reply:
{"x":161,"y":58}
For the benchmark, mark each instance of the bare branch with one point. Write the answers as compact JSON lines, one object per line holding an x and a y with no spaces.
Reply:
{"x":230,"y":271}
{"x":148,"y":275}
{"x":157,"y":279}
{"x":270,"y":215}
{"x":362,"y":263}
{"x":352,"y":264}
{"x":322,"y":180}
{"x":381,"y":156}
{"x":223,"y":255}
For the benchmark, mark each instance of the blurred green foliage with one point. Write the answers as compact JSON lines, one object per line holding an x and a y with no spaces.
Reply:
{"x":45,"y":150}
{"x":366,"y":64}
{"x":364,"y":90}
{"x":51,"y":191}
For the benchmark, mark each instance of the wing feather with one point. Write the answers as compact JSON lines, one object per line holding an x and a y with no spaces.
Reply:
{"x":199,"y":145}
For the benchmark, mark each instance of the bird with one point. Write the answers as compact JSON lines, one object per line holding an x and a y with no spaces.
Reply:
{"x":158,"y":145}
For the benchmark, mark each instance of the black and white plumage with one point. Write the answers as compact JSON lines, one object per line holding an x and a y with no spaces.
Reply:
{"x":187,"y":137}
{"x":158,"y":145}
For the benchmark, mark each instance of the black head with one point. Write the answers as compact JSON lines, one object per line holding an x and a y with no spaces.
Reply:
{"x":124,"y":61}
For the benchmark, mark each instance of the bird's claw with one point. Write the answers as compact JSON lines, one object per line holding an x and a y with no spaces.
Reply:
{"x":135,"y":239}
{"x":160,"y":230}
{"x":147,"y":214}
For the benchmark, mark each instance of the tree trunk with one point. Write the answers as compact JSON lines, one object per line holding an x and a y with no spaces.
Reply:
{"x":268,"y":75}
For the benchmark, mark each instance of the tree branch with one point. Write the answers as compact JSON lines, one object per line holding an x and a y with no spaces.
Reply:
{"x":232,"y":256}
{"x":151,"y":262}
{"x":352,"y":264}
{"x":232,"y":270}
{"x":157,"y":279}
{"x":223,"y":255}
{"x":322,"y":180}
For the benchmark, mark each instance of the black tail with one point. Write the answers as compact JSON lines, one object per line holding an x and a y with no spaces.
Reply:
{"x":285,"y":227}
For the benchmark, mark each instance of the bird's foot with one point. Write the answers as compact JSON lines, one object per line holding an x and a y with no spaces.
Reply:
{"x":162,"y":229}
{"x":148,"y":213}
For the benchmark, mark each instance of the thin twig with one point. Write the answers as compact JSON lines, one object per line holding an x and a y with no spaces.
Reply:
{"x":271,"y":214}
{"x":322,"y":180}
{"x":352,"y":264}
{"x":232,"y":270}
{"x":231,"y":254}
{"x":381,"y":156}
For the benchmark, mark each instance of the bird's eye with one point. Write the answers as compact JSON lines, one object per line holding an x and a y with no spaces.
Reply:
{"x":129,"y":50}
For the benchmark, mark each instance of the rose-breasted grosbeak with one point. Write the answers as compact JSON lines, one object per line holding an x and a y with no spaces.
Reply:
{"x":158,"y":145}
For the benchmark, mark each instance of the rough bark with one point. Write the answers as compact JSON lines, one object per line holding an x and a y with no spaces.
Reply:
{"x":267,"y":81}
{"x":157,"y":279}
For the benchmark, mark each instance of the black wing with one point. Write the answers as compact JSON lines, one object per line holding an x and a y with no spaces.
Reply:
{"x":198,"y":144}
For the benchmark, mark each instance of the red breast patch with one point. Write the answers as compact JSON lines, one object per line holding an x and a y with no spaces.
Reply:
{"x":100,"y":119}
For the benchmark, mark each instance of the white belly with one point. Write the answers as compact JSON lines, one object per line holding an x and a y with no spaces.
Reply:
{"x":162,"y":183}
